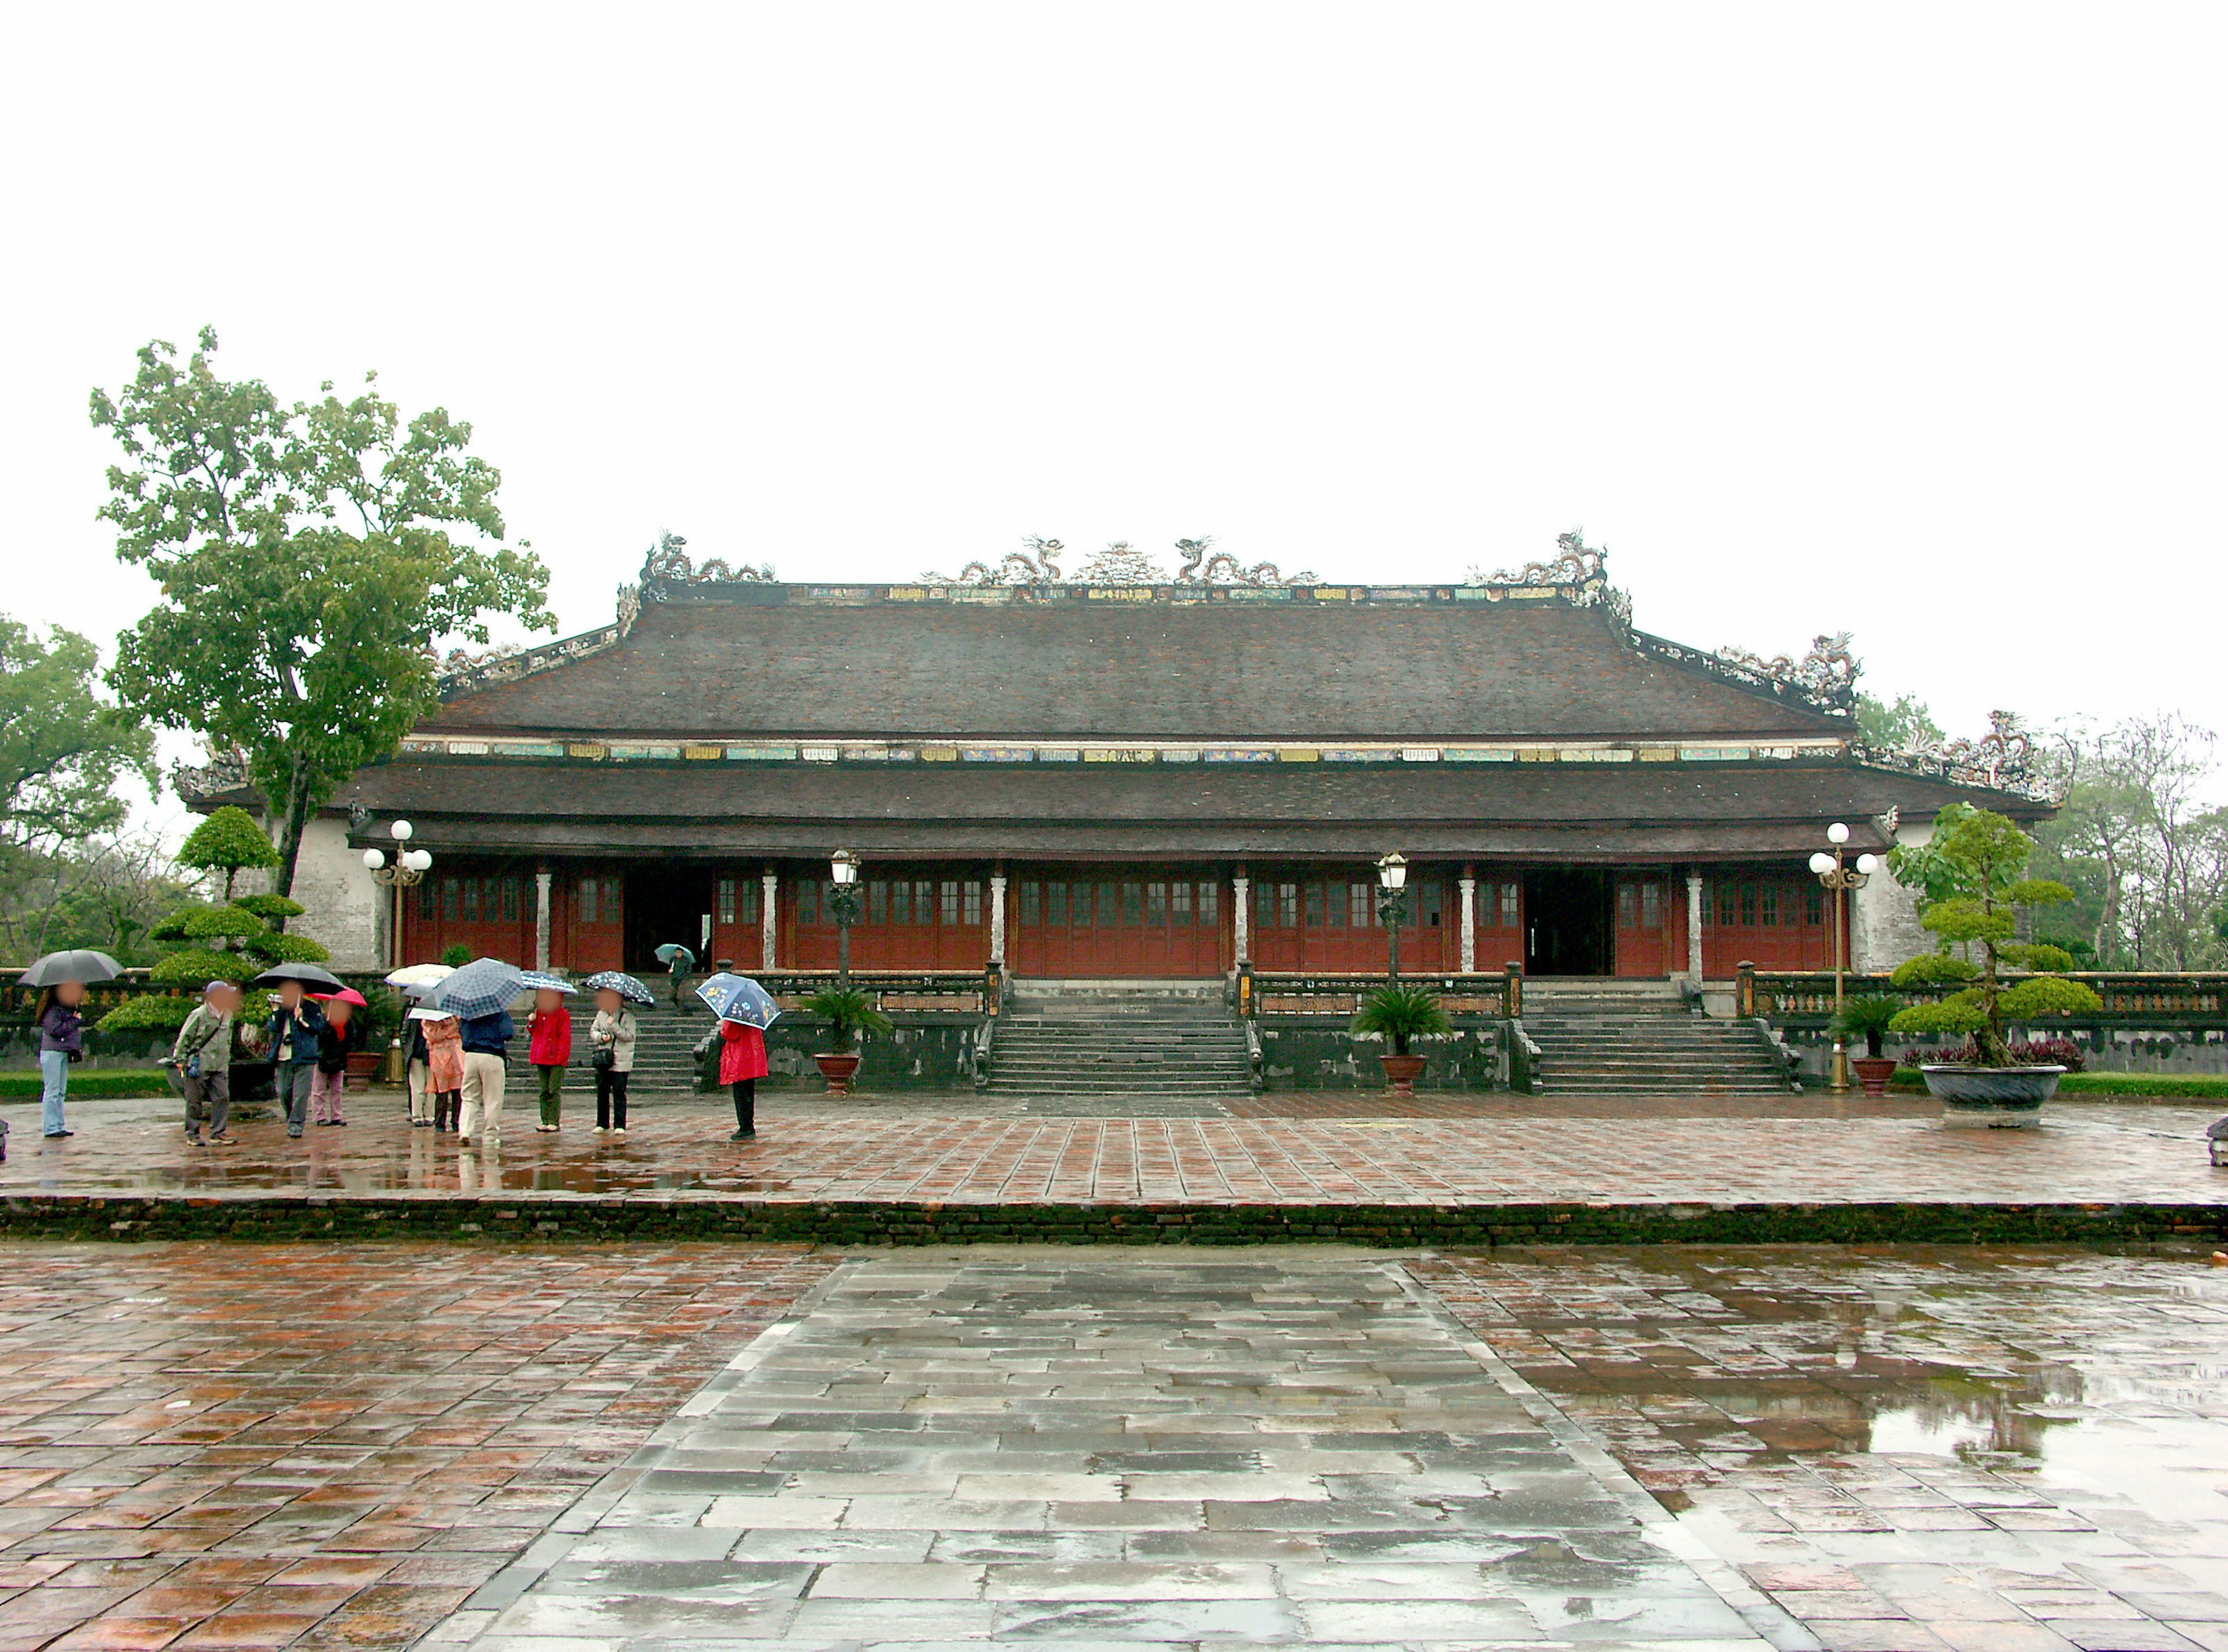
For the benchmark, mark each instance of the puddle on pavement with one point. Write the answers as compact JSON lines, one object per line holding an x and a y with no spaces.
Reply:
{"x":2068,"y":1372}
{"x":450,"y":1173}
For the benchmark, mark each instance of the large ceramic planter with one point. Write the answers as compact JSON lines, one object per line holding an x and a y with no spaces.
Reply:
{"x":364,"y":1066}
{"x":1400,"y":1072}
{"x":1993,"y":1097}
{"x":837,"y":1069}
{"x":1872,"y":1072}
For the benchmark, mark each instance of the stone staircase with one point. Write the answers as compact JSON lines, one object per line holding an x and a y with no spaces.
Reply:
{"x":1648,"y":1048}
{"x":1109,"y":1038}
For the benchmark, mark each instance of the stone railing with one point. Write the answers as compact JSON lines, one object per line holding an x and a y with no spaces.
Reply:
{"x":957,"y":992}
{"x":1262,"y":993}
{"x":2131,"y":998}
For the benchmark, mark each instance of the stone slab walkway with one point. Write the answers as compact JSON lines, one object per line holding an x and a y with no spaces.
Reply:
{"x":1100,"y":1449}
{"x":945,"y":1151}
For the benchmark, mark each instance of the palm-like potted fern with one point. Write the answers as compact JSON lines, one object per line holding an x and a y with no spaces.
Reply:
{"x":1399,"y":1014}
{"x":849,"y":1013}
{"x":1867,"y":1018}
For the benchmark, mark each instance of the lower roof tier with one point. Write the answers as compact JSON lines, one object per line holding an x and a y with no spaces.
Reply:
{"x":1546,"y":812}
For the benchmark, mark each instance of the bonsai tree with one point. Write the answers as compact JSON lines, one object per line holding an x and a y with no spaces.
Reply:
{"x":1867,"y":1018}
{"x":231,"y":942}
{"x":455,"y":955}
{"x":1399,"y":1014}
{"x":1972,"y":885}
{"x":848,"y":1015}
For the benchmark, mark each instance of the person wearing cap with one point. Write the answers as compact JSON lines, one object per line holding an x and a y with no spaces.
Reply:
{"x":202,"y":1055}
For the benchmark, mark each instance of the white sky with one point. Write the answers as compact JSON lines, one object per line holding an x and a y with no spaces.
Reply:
{"x":1897,"y":318}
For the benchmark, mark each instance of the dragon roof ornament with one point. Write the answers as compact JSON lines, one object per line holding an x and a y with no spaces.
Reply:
{"x":1034,"y":565}
{"x":2000,"y":761}
{"x":223,"y":770}
{"x":1579,"y":568}
{"x":1827,"y":673}
{"x":669,"y":559}
{"x":1222,"y":568}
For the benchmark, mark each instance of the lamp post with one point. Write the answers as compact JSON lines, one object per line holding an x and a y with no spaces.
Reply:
{"x":1840,"y":878}
{"x":1393,"y":909}
{"x":409,"y":869}
{"x":843,"y":904}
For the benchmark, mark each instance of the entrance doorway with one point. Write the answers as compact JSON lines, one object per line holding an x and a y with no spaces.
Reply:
{"x":1566,"y":922}
{"x":665,"y":903}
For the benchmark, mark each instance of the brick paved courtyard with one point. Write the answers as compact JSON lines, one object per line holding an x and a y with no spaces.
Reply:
{"x":1304,"y":1149}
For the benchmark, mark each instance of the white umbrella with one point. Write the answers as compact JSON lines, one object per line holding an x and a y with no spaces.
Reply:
{"x":419,"y":975}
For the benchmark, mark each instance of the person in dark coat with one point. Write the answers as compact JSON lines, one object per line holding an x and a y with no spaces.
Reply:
{"x":487,"y":1044}
{"x":290,"y":1037}
{"x":62,"y":1044}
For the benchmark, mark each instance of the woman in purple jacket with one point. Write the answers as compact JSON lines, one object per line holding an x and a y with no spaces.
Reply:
{"x":61,"y":1040}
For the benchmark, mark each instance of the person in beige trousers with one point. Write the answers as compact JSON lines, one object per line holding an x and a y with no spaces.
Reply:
{"x":487,"y":1042}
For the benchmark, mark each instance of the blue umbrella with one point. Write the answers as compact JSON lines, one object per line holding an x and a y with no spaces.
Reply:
{"x":483,"y":986}
{"x":621,"y":982}
{"x":535,"y":980}
{"x":737,"y":997}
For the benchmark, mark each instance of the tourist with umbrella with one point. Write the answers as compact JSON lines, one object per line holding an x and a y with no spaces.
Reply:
{"x":412,"y":980}
{"x":291,"y":1035}
{"x":61,"y":978}
{"x":681,"y":961}
{"x":746,"y":1009}
{"x":610,"y":1043}
{"x":340,"y":1037}
{"x":479,"y":996}
{"x":549,"y":1043}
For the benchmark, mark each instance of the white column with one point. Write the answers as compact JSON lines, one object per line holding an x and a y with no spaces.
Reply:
{"x":1695,"y":925}
{"x":1469,"y":924}
{"x":998,"y":919}
{"x":542,"y":918}
{"x":769,"y":911}
{"x":1241,"y":915}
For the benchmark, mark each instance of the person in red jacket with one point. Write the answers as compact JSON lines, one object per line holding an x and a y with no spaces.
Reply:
{"x":549,"y":1046}
{"x":742,"y":1064}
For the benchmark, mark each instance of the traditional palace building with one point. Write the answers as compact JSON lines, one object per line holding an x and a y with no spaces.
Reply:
{"x":1109,"y":780}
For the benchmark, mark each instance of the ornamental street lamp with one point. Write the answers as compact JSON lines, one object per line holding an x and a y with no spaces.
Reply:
{"x":843,"y":906}
{"x":1393,"y":909}
{"x":410,"y":868}
{"x":1839,"y":878}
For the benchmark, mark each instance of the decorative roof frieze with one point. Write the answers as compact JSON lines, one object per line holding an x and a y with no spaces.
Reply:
{"x":2000,"y":761}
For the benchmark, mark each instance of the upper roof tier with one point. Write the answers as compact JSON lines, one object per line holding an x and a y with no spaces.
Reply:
{"x":743,"y":657}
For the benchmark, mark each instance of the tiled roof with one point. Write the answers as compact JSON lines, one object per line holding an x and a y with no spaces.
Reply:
{"x":1325,"y":664}
{"x":1549,"y":811}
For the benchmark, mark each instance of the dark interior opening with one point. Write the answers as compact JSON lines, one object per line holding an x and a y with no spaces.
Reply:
{"x":665,"y":903}
{"x":1566,"y":922}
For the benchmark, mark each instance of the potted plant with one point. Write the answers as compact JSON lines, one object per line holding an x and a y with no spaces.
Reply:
{"x":1399,"y":1014}
{"x":1867,"y":1018}
{"x":1969,"y":876}
{"x":848,"y":1014}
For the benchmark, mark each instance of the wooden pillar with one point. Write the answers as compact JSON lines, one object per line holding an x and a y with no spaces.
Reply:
{"x":542,"y":879}
{"x":998,"y":913}
{"x":769,"y":917}
{"x":1241,"y":915}
{"x":1694,"y":925}
{"x":1469,"y":919}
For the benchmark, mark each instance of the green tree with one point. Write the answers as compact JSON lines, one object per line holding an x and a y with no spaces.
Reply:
{"x":1906,"y":726}
{"x":1971,"y":880}
{"x":308,"y":558}
{"x":229,"y":841}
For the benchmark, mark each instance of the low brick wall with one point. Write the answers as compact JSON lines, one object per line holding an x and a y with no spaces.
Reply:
{"x":532,"y":1218}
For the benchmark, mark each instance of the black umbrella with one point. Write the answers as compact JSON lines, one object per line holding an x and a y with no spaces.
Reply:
{"x":82,"y":965}
{"x":308,"y":974}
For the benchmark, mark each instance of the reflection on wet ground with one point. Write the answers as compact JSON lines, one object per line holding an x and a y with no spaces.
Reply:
{"x":1909,"y":1448}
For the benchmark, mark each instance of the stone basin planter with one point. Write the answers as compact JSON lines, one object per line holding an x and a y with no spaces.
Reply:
{"x":1994,"y":1097}
{"x":364,"y":1066}
{"x":837,"y":1069}
{"x":1400,"y":1072}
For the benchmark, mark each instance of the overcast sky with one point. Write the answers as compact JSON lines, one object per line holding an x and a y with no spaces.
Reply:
{"x":1901,"y":319}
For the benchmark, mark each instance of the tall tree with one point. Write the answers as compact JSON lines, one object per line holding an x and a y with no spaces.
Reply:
{"x":308,"y":558}
{"x":1904,"y":726}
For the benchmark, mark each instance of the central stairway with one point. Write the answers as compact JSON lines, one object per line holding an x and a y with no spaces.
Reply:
{"x":1108,"y":1038}
{"x":662,"y":1064}
{"x":1597,"y":1043}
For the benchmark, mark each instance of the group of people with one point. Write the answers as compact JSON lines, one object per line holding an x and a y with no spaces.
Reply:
{"x":456,"y":1066}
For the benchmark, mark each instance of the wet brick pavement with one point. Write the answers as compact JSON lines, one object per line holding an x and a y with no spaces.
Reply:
{"x":1908,"y":1449}
{"x":231,"y":1447}
{"x":947,"y":1151}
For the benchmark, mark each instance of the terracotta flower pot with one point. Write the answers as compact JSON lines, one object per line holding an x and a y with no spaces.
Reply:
{"x":837,"y":1069}
{"x":1872,"y":1072}
{"x":1400,"y":1072}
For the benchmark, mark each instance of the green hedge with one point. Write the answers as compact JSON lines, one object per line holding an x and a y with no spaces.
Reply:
{"x":90,"y":1081}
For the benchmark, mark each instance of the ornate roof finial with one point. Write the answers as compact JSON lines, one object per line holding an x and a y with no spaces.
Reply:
{"x":1222,"y":568}
{"x":669,"y":559}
